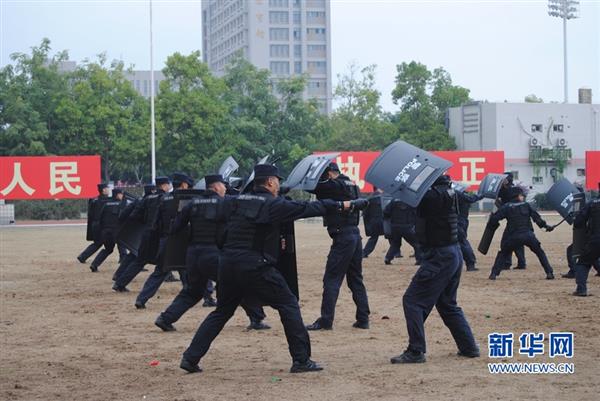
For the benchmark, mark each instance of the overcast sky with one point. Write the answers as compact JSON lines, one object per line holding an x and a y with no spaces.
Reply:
{"x":500,"y":50}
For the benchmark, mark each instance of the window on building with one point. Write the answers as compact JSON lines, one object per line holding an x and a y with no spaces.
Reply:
{"x":315,"y":17}
{"x":315,"y":33}
{"x":317,"y":67}
{"x":279,"y":34}
{"x":296,"y":3}
{"x":297,"y":34}
{"x":536,"y":127}
{"x":278,"y":3}
{"x":558,"y":128}
{"x":580,"y":172}
{"x":297,"y":50}
{"x":537,"y":180}
{"x":297,"y":17}
{"x":145,"y":87}
{"x":279,"y":17}
{"x":315,"y":50}
{"x":297,"y":67}
{"x":280,"y":50}
{"x":280,"y":67}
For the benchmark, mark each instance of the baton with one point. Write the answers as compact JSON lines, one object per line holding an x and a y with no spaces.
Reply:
{"x":559,"y":223}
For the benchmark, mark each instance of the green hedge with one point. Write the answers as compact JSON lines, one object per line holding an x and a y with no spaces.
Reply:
{"x":49,"y":209}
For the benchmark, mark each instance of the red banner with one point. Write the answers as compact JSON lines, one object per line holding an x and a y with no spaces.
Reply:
{"x":49,"y":177}
{"x":469,"y":167}
{"x":592,"y":169}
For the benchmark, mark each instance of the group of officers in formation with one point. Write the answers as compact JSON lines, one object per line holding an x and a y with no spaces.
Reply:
{"x":242,"y":241}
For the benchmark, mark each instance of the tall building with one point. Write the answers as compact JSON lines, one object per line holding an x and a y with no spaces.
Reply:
{"x":542,"y":142}
{"x":140,"y":80}
{"x":287,"y":37}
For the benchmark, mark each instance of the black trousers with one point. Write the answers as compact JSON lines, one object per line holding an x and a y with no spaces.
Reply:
{"x":244,"y":274}
{"x":202,"y":266}
{"x":510,"y":242}
{"x":344,"y":261}
{"x":436,"y":284}
{"x":108,"y":240}
{"x":409,"y":235}
{"x":90,"y":250}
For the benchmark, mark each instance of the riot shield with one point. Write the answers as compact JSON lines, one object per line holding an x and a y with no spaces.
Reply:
{"x":490,"y":185}
{"x":89,"y":234}
{"x":580,"y":234}
{"x":287,"y":259}
{"x":487,"y":237}
{"x":406,"y":172}
{"x":173,"y":257}
{"x":562,"y":196}
{"x":140,"y":236}
{"x":373,"y":216}
{"x":250,"y":181}
{"x":306,"y":173}
{"x":228,"y":167}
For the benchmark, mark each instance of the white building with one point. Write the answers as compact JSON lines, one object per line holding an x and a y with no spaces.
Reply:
{"x":287,"y":37}
{"x":541,"y":141}
{"x":140,"y":80}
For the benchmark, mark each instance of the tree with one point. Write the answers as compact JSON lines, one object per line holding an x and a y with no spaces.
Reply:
{"x":359,"y":122}
{"x":424,"y":99}
{"x":29,"y":93}
{"x":104,"y":115}
{"x":533,"y":99}
{"x":194,"y":127}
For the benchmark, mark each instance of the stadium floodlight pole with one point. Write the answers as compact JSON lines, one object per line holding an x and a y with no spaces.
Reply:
{"x":565,"y":9}
{"x":152,"y":125}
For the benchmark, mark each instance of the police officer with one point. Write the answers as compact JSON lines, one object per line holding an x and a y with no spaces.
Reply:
{"x":345,"y":255}
{"x":119,"y":195}
{"x":109,"y":226}
{"x":465,"y":200}
{"x":519,"y":232}
{"x":247,"y":267}
{"x":504,"y":197}
{"x":376,"y":221}
{"x":207,"y":217}
{"x":437,"y":280}
{"x":400,"y":219}
{"x":588,"y":218}
{"x":145,"y":211}
{"x":130,"y":258}
{"x":166,"y":215}
{"x":93,"y":215}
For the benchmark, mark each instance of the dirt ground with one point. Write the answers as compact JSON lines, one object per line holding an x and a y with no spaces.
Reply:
{"x":66,"y":336}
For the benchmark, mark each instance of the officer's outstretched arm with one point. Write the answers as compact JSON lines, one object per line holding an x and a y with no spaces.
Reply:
{"x":541,"y":223}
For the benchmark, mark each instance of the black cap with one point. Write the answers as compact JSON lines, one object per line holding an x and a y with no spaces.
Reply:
{"x":442,"y":180}
{"x":179,"y":178}
{"x":332,"y":167}
{"x":102,"y":186}
{"x":509,"y":176}
{"x":515,"y":192}
{"x":162,"y":180}
{"x":117,"y":191}
{"x":266,"y":170}
{"x":212,"y":178}
{"x":149,"y":188}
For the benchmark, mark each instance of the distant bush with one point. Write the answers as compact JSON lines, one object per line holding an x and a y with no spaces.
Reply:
{"x":541,"y":202}
{"x":49,"y":209}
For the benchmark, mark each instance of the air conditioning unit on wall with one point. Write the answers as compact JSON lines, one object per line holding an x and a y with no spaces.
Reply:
{"x":533,"y":142}
{"x":562,"y":142}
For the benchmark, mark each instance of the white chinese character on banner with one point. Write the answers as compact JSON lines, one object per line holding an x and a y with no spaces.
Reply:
{"x":17,"y":180}
{"x":469,"y":172}
{"x":352,"y":170}
{"x":62,"y":174}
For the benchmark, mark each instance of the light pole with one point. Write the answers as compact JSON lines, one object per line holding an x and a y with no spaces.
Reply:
{"x":152,"y":128}
{"x":565,"y":9}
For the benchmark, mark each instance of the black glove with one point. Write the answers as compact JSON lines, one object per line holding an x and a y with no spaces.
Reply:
{"x":332,"y":206}
{"x":358,"y":204}
{"x":549,"y":228}
{"x":283,"y":190}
